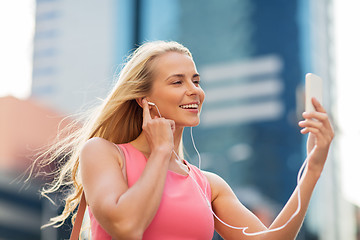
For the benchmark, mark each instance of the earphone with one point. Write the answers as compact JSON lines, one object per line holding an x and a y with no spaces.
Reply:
{"x":209,"y":204}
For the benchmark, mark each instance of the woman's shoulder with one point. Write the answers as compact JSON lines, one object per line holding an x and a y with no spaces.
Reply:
{"x":97,"y":147}
{"x":96,"y":143}
{"x":218,"y":184}
{"x":213,"y":178}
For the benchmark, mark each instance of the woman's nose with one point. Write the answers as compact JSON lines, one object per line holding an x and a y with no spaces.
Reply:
{"x":192,"y":89}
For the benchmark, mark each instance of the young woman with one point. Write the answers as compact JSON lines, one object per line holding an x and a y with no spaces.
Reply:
{"x":128,"y":161}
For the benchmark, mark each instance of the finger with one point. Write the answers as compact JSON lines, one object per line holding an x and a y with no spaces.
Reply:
{"x":315,"y":124}
{"x":311,"y":123}
{"x":317,"y":105}
{"x":320,"y":116}
{"x":321,"y":132}
{"x":146,"y":111}
{"x":306,"y":130}
{"x":172,"y":125}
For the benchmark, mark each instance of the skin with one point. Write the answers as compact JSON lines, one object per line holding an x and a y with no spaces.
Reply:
{"x":126,"y":212}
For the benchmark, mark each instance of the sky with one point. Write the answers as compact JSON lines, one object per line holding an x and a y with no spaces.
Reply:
{"x":17,"y":26}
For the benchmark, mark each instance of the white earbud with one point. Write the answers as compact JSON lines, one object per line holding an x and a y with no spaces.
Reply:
{"x":154,"y":105}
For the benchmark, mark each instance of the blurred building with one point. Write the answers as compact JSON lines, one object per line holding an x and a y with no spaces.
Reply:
{"x":73,"y":52}
{"x":252,"y":56}
{"x":25,"y":126}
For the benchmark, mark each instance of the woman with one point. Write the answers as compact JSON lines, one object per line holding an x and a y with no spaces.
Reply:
{"x":126,"y":160}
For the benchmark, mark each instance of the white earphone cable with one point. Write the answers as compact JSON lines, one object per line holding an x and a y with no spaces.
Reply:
{"x":244,"y":228}
{"x":209,"y":204}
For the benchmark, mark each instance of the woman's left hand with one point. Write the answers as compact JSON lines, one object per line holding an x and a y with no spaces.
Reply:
{"x":320,"y":137}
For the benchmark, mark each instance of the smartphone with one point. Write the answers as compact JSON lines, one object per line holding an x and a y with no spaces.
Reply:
{"x":313,"y":88}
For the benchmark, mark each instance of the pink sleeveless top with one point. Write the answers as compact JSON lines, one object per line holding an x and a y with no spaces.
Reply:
{"x":183,"y":212}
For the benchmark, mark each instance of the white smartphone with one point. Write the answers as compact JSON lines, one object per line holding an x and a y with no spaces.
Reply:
{"x":313,"y":88}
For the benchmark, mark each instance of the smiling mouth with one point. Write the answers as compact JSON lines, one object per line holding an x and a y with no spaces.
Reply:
{"x":190,"y":106}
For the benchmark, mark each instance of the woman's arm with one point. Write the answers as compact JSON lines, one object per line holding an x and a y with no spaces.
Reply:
{"x":126,"y":212}
{"x":230,"y":210}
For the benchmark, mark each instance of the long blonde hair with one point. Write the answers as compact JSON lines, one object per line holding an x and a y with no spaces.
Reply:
{"x":118,"y":119}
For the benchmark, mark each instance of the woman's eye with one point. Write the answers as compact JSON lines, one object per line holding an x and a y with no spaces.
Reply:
{"x":197,"y":82}
{"x":177,"y":82}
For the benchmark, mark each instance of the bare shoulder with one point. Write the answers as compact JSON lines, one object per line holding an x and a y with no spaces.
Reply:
{"x":96,"y":148}
{"x":217,"y":183}
{"x":213,"y":178}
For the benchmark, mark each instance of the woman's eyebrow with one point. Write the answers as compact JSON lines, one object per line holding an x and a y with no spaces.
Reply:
{"x":180,"y":75}
{"x":176,"y":75}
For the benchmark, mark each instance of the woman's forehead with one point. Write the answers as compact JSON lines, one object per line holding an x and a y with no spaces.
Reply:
{"x":174,"y":63}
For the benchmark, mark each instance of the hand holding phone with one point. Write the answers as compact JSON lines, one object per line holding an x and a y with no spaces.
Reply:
{"x":313,"y":89}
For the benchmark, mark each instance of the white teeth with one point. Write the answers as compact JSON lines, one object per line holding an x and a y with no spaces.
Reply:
{"x":190,"y":106}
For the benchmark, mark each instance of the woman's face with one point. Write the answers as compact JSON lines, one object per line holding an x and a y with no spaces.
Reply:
{"x":176,"y":90}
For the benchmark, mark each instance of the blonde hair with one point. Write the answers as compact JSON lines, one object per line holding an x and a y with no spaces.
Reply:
{"x":118,"y":119}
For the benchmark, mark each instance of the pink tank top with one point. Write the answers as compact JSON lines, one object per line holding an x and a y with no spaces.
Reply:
{"x":183,"y":212}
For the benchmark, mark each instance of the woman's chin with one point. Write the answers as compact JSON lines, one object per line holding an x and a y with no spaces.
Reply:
{"x":188,"y":122}
{"x":193,"y":124}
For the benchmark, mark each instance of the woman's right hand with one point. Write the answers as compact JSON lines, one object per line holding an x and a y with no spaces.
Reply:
{"x":158,"y":130}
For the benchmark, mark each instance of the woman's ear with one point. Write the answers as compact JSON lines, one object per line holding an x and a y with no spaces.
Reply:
{"x":139,"y":101}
